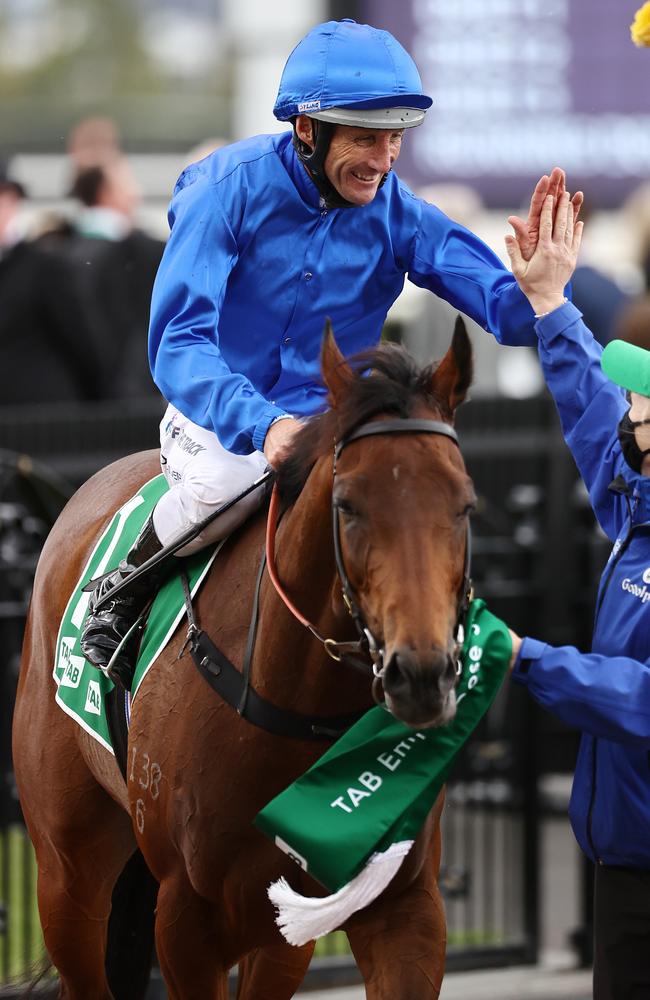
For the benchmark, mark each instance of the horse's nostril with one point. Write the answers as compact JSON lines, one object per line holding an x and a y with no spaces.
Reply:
{"x":396,"y":674}
{"x":408,"y":675}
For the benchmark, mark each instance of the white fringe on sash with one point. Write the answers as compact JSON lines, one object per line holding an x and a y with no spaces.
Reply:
{"x":303,"y":918}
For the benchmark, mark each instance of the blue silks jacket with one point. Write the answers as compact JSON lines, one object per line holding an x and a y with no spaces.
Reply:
{"x":254,"y":266}
{"x":605,"y":693}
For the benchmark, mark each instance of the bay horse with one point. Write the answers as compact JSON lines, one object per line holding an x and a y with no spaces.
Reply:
{"x":197,"y":773}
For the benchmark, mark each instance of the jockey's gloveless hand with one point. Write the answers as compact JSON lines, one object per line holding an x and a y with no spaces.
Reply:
{"x":278,"y":440}
{"x":527,"y":232}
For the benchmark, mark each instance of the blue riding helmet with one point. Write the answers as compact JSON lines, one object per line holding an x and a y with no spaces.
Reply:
{"x":345,"y":65}
{"x":344,"y":73}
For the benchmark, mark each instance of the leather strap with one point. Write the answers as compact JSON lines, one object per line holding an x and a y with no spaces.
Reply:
{"x":230,"y":685}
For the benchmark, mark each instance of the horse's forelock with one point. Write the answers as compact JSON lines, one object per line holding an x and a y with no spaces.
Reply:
{"x":388,"y":380}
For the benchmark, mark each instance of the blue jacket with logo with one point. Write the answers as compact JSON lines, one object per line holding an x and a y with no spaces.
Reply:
{"x":254,"y":265}
{"x":605,"y":693}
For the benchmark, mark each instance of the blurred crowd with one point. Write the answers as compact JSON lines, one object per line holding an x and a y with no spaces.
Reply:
{"x":74,"y":294}
{"x":75,"y":288}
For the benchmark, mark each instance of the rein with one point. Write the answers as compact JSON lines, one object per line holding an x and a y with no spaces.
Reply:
{"x":366,"y":645}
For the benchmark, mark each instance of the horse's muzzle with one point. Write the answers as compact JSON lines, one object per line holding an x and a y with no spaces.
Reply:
{"x":419,"y":690}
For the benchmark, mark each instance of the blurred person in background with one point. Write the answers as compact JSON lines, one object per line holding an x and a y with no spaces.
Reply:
{"x":92,"y":141}
{"x":636,"y":213}
{"x":606,"y":693}
{"x":270,"y":236}
{"x":116,"y":264}
{"x":202,"y":149}
{"x":48,"y":350}
{"x":634,"y":323}
{"x":600,"y":299}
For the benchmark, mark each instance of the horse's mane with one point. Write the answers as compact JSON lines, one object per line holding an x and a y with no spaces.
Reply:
{"x":386,"y":380}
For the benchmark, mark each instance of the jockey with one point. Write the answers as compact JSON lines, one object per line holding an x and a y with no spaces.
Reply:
{"x":269,"y":236}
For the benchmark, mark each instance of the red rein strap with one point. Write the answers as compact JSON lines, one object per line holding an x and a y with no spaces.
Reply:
{"x":271,"y":527}
{"x":350,"y":651}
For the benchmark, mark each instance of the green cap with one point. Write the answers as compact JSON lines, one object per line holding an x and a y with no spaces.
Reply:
{"x":628,"y":366}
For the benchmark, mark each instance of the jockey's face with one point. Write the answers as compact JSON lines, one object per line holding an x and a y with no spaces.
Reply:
{"x":358,"y":158}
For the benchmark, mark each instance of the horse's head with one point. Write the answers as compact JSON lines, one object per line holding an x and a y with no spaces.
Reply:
{"x":402,"y":500}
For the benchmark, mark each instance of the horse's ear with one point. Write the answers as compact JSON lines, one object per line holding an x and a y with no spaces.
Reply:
{"x":453,"y":376}
{"x":337,"y":374}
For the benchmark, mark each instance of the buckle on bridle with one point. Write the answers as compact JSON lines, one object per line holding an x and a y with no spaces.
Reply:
{"x":330,"y":646}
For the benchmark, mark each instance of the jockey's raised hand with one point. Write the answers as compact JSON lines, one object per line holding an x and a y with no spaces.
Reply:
{"x":527,"y":232}
{"x":543,"y":277}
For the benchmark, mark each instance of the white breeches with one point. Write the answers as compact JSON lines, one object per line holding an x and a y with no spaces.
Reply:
{"x":202,"y":476}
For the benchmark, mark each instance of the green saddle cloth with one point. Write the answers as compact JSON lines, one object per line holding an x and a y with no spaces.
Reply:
{"x":81,"y":688}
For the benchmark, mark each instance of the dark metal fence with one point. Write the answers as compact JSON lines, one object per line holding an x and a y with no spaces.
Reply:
{"x":536,"y":560}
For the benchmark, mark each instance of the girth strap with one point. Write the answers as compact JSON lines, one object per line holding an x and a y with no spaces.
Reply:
{"x":230,"y":685}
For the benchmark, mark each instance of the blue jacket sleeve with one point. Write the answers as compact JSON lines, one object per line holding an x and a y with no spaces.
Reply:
{"x":605,"y":696}
{"x":184,"y":354}
{"x":455,"y":264}
{"x":590,"y":407}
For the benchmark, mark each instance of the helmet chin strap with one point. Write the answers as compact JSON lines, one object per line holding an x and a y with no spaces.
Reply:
{"x":314,"y":160}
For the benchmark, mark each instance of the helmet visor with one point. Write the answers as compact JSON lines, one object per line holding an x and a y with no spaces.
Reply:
{"x":371,"y":117}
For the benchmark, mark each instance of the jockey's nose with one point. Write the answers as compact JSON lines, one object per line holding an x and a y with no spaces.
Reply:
{"x":382,"y":155}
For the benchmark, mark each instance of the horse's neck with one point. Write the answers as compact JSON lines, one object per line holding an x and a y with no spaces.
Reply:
{"x":291,"y":664}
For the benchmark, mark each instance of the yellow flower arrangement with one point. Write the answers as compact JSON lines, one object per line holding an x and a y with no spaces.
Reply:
{"x":640,"y":27}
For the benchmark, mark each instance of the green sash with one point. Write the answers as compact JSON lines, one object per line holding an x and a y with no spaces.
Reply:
{"x":375,"y":786}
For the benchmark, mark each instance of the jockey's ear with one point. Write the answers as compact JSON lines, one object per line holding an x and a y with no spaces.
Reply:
{"x":453,"y":376}
{"x":337,"y":374}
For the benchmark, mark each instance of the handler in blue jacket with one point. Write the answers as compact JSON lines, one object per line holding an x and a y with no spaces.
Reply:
{"x":269,"y":237}
{"x":605,"y":693}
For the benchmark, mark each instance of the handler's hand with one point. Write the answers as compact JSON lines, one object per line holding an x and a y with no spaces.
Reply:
{"x":527,"y":232}
{"x":542,"y":278}
{"x":516,"y":646}
{"x":278,"y":440}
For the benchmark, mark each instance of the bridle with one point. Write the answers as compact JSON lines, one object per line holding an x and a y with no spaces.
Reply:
{"x":356,"y":653}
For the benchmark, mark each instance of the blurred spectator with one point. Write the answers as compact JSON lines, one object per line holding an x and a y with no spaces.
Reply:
{"x":636,"y":212}
{"x":634,"y":323}
{"x":598,"y":297}
{"x":116,"y":263}
{"x":47,"y":339}
{"x":93,"y":141}
{"x":204,"y":148}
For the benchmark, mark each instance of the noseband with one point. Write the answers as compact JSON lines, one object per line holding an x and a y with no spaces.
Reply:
{"x":348,"y":652}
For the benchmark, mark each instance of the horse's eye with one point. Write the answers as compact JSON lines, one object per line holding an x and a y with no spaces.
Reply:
{"x":345,"y":508}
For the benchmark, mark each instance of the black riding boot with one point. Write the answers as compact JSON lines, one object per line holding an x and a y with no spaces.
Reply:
{"x":105,"y":628}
